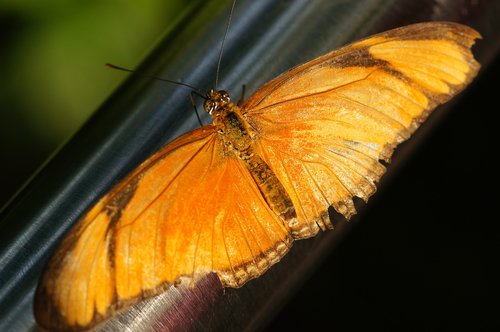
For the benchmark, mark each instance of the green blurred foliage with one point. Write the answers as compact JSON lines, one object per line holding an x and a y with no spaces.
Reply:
{"x":52,"y":74}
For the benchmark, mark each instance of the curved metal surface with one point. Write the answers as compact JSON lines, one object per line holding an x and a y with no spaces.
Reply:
{"x":266,"y":38}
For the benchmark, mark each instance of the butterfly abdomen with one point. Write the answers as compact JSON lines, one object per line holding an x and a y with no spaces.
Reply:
{"x":271,"y":188}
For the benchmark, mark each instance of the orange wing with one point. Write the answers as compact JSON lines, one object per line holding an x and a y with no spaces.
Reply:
{"x":147,"y":234}
{"x":323,"y":126}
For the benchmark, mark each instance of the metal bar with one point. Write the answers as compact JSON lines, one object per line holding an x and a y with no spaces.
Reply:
{"x":266,"y":38}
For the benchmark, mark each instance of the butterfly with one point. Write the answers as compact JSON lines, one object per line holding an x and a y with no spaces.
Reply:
{"x":231,"y":197}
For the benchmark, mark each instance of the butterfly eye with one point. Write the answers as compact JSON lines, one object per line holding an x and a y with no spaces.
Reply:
{"x":225,"y":97}
{"x":209,"y":106}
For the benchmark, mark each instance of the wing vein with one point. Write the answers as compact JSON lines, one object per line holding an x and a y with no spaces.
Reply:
{"x":197,"y":244}
{"x":177,"y":243}
{"x":167,"y":185}
{"x":297,"y":196}
{"x":77,"y":262}
{"x":373,"y":109}
{"x":256,"y":110}
{"x":440,"y":53}
{"x":316,"y":184}
{"x":409,"y":100}
{"x":100,"y":242}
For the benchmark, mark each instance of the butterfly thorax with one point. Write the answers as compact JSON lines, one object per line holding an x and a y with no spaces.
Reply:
{"x":230,"y":123}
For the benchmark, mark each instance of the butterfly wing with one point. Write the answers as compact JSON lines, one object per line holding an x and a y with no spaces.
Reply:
{"x":186,"y":211}
{"x":323,"y":126}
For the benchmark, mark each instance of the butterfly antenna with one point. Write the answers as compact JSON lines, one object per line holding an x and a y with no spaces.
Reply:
{"x":195,"y":90}
{"x":222,"y":46}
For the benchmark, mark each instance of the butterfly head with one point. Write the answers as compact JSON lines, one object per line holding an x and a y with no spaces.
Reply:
{"x":216,"y":100}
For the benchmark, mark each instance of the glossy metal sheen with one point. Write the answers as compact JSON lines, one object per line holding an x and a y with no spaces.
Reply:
{"x":266,"y":38}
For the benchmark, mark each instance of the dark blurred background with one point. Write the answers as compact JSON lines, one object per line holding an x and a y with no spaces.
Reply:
{"x":426,"y":256}
{"x":52,"y":74}
{"x":425,"y":259}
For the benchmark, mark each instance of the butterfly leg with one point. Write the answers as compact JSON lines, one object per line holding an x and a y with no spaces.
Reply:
{"x":242,"y":99}
{"x":195,"y":108}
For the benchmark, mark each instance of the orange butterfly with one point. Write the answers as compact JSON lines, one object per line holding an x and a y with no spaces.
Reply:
{"x":231,"y":197}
